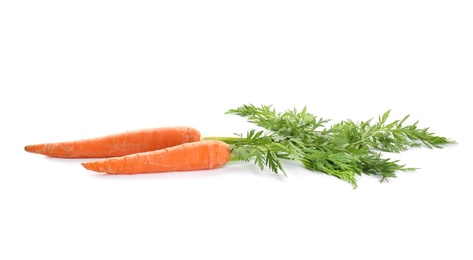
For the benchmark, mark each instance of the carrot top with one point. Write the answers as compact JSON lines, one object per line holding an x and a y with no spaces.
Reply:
{"x":344,"y":150}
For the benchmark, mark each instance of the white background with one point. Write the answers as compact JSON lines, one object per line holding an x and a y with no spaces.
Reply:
{"x":76,"y":69}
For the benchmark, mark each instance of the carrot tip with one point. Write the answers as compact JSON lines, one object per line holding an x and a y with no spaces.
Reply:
{"x":90,"y":166}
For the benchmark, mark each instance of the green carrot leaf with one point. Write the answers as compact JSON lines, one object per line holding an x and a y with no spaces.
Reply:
{"x":345,"y":149}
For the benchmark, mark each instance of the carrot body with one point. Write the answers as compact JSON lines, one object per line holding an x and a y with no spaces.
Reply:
{"x":120,"y":144}
{"x":202,"y":155}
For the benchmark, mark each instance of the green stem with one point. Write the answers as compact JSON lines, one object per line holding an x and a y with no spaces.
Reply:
{"x":366,"y":138}
{"x":228,"y":140}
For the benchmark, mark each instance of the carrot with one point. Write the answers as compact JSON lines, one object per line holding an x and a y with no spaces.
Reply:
{"x":120,"y":144}
{"x":202,"y":155}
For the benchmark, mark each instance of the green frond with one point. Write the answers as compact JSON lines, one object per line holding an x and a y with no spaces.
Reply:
{"x":344,"y":150}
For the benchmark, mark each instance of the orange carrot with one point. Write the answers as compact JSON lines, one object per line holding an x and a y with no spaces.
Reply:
{"x":202,"y":155}
{"x":120,"y":144}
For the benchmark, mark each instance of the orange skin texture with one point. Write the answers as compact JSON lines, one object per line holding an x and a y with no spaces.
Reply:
{"x":202,"y":155}
{"x":120,"y":144}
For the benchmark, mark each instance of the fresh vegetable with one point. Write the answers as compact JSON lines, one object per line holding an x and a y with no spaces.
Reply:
{"x":120,"y":144}
{"x":202,"y":155}
{"x":344,"y":150}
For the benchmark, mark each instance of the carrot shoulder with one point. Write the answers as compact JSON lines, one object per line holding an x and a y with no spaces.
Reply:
{"x":202,"y":155}
{"x":120,"y":144}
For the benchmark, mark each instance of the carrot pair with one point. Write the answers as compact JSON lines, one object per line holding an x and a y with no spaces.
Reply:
{"x":142,"y":151}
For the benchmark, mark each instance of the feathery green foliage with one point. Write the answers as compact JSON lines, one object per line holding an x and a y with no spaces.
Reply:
{"x":344,"y":150}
